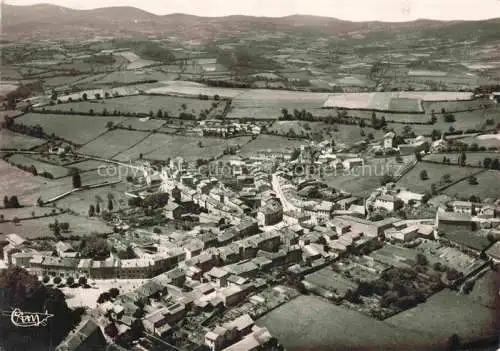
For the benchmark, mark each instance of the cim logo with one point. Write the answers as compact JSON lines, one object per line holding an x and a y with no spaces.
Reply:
{"x":29,"y":319}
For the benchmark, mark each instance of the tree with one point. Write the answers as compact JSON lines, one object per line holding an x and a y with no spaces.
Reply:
{"x":447,"y":178}
{"x":111,"y":330}
{"x":97,"y":96}
{"x":84,"y":96}
{"x":487,"y":162}
{"x":95,"y":248}
{"x":159,"y":114}
{"x":82,"y":280}
{"x":386,"y":178}
{"x":57,"y":280}
{"x":70,"y":281}
{"x":421,"y":260}
{"x":16,"y":220}
{"x":114,"y":292}
{"x":449,"y":117}
{"x":97,"y":208}
{"x":495,"y":164}
{"x":352,"y":296}
{"x":424,"y":175}
{"x":462,"y":158}
{"x":105,"y":296}
{"x":91,"y":210}
{"x":109,"y":125}
{"x":45,"y":279}
{"x":13,"y":202}
{"x":56,"y":228}
{"x":473,"y":180}
{"x":6,"y":201}
{"x":110,"y":205}
{"x":453,"y":342}
{"x":76,"y":180}
{"x":418,"y":156}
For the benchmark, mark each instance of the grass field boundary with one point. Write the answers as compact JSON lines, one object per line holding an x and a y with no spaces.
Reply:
{"x":133,"y":145}
{"x":459,"y":180}
{"x":23,"y":219}
{"x":445,"y":164}
{"x":86,"y":187}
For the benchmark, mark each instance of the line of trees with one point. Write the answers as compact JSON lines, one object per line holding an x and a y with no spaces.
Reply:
{"x":34,"y":131}
{"x":11,"y":202}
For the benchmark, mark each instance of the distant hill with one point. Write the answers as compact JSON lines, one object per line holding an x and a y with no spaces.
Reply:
{"x":51,"y":21}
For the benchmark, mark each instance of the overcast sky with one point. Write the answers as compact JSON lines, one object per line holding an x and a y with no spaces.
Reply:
{"x":355,"y":10}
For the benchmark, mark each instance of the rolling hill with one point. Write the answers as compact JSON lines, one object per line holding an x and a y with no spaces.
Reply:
{"x":51,"y":21}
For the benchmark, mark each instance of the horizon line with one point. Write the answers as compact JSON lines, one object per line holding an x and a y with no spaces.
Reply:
{"x":254,"y":16}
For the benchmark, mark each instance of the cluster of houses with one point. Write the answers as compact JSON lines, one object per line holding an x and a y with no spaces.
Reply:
{"x":220,"y":128}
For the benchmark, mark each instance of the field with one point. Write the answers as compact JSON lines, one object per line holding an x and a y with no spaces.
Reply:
{"x":320,"y":325}
{"x":270,"y":142}
{"x":130,"y":77}
{"x":112,"y":143}
{"x":187,"y":147}
{"x":79,"y":202}
{"x":24,"y":212}
{"x":455,"y":106}
{"x":254,"y":113}
{"x":360,"y":181}
{"x":87,"y":165}
{"x":75,"y":128}
{"x":264,"y":98}
{"x":473,"y":158}
{"x":164,"y":146}
{"x":39,"y":227}
{"x":143,"y":124}
{"x":56,"y":171}
{"x":382,"y":101}
{"x":488,"y":186}
{"x":348,"y":134}
{"x":140,"y":104}
{"x":412,"y":181}
{"x":443,"y":315}
{"x":484,"y":291}
{"x":135,"y":61}
{"x":62,"y":81}
{"x":191,"y":89}
{"x":11,"y":140}
{"x":24,"y":185}
{"x":487,"y":140}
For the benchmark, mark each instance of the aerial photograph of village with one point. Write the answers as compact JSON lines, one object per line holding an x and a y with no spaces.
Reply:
{"x":216,"y":179}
